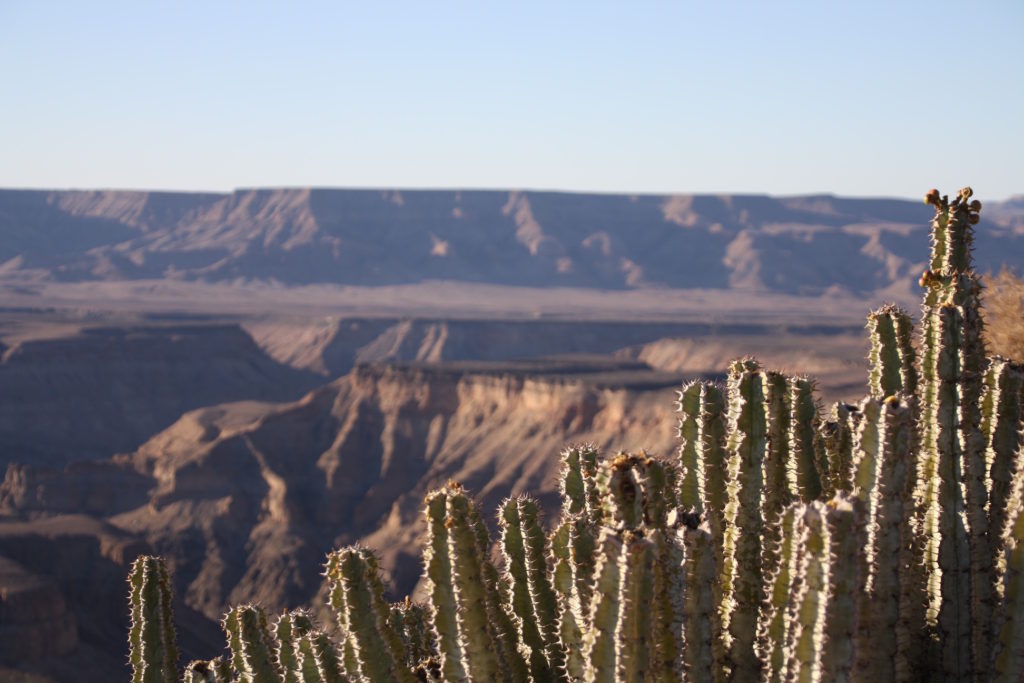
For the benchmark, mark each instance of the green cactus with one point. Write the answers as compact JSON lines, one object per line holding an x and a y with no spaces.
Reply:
{"x":703,"y":656}
{"x":1008,"y":649}
{"x":252,"y":646}
{"x":892,"y":357}
{"x":1001,"y":407}
{"x":378,"y":649}
{"x":579,"y":490}
{"x":836,"y":436}
{"x":741,"y":578}
{"x":154,"y":650}
{"x":412,"y":624}
{"x":217,"y":670}
{"x":533,"y":598}
{"x":702,"y":451}
{"x":288,"y":630}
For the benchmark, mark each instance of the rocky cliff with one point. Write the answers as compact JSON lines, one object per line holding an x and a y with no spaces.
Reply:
{"x":95,"y":391}
{"x":797,"y":245}
{"x":246,"y":498}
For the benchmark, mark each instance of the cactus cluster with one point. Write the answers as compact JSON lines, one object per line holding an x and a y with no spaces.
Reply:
{"x":882,"y":541}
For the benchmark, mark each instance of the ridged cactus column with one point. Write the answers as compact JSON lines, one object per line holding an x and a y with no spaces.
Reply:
{"x":154,"y":650}
{"x":578,"y":486}
{"x":701,"y":406}
{"x":288,"y":630}
{"x":810,"y":601}
{"x":892,"y":618}
{"x":836,"y":436}
{"x":1008,"y":648}
{"x":476,"y":638}
{"x":378,"y":650}
{"x":573,"y":549}
{"x":952,"y":497}
{"x":807,"y":455}
{"x":1001,"y":407}
{"x":776,"y":616}
{"x":742,"y":588}
{"x":252,"y":646}
{"x":533,"y":598}
{"x":892,"y":358}
{"x":702,"y":654}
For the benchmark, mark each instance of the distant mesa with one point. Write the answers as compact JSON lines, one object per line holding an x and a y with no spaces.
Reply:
{"x":793,"y":245}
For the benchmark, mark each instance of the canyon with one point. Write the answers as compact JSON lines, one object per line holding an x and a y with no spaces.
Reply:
{"x":241,"y":382}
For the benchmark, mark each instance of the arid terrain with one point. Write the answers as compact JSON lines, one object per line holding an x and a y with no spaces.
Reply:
{"x":242,"y":382}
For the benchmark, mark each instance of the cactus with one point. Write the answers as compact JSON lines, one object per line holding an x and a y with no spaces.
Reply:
{"x":252,"y":646}
{"x":880,"y":543}
{"x":216,"y":670}
{"x":702,"y":451}
{"x":379,"y":651}
{"x":740,"y":575}
{"x":1001,"y":408}
{"x":892,"y":358}
{"x":533,"y":598}
{"x":836,"y":436}
{"x":1008,"y":660}
{"x":154,"y":650}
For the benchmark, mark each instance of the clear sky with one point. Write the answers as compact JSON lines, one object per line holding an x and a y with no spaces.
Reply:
{"x":854,"y":98}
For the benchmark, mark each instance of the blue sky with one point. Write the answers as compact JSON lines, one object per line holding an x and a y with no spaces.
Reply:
{"x":855,"y":98}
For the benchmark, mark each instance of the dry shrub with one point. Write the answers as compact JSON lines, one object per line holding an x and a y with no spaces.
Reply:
{"x":1004,"y":315}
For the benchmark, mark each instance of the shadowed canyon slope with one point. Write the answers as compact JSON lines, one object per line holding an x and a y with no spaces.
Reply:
{"x":796,"y":245}
{"x":245,"y":499}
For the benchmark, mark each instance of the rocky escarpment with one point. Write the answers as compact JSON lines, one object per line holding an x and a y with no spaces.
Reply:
{"x":98,"y":391}
{"x":245,"y":499}
{"x":34,"y":620}
{"x":331,"y":346}
{"x":62,"y":598}
{"x":796,"y":245}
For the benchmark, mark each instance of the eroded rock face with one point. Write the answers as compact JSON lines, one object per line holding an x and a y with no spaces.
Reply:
{"x":35,"y":623}
{"x":246,"y":499}
{"x":538,"y":239}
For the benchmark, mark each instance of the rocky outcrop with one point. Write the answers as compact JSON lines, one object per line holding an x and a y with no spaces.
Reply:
{"x":103,"y":390}
{"x":34,"y":620}
{"x":63,"y":600}
{"x":245,"y":499}
{"x":332,"y":346}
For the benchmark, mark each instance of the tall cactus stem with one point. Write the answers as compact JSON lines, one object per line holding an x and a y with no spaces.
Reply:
{"x":441,"y":589}
{"x":599,"y":639}
{"x":742,"y":590}
{"x":810,"y":601}
{"x":1001,"y":407}
{"x":252,"y":651}
{"x":379,"y":651}
{"x":154,"y":650}
{"x":1008,"y":649}
{"x":892,"y":359}
{"x":703,"y":658}
{"x":805,"y":450}
{"x":845,"y":516}
{"x":533,"y":598}
{"x":776,"y":616}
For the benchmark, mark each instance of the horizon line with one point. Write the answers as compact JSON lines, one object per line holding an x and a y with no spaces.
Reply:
{"x":508,"y":189}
